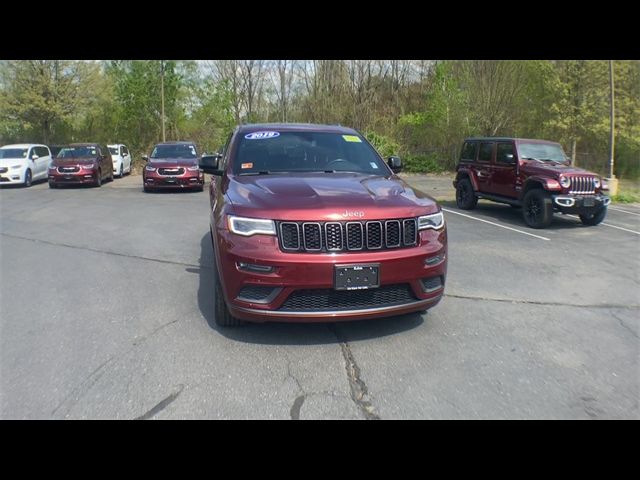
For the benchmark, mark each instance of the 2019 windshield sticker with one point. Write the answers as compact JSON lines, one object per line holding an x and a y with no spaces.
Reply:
{"x":261,"y":135}
{"x":246,"y":165}
{"x":352,"y":138}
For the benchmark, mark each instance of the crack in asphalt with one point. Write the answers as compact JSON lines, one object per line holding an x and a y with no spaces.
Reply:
{"x":83,"y":388}
{"x":359,"y":390}
{"x":624,"y":325}
{"x":164,"y":403}
{"x":106,"y":252}
{"x":294,"y":412}
{"x":550,"y":304}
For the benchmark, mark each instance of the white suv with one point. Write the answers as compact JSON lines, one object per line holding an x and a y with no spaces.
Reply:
{"x":121,"y":159}
{"x":23,"y":163}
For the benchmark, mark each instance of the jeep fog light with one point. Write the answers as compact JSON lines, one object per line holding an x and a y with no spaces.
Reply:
{"x":251,"y":267}
{"x":434,"y":260}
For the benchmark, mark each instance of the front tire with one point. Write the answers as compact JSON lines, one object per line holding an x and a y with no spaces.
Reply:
{"x":465,"y":196}
{"x":594,"y":218}
{"x":98,"y":182}
{"x":28,"y":178}
{"x":222,"y":313}
{"x":537,"y":208}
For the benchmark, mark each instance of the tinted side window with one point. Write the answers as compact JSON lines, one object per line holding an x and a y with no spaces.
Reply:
{"x":41,"y":151}
{"x":486,"y":150}
{"x":125,"y":151}
{"x":469,"y":151}
{"x":503,"y":150}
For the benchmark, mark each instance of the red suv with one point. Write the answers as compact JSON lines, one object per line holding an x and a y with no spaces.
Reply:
{"x":172,"y":165}
{"x":309,"y":223}
{"x":534,"y":175}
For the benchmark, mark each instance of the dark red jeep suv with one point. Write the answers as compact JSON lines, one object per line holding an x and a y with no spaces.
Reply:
{"x":309,"y":223}
{"x":81,"y":164}
{"x":173,"y":165}
{"x":534,"y":175}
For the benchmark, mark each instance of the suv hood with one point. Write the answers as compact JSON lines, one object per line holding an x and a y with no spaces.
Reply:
{"x":169,"y":162}
{"x":538,"y":168}
{"x":326,"y":196}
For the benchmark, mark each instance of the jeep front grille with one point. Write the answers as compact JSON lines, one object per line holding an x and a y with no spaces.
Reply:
{"x":347,"y":236}
{"x":582,"y":185}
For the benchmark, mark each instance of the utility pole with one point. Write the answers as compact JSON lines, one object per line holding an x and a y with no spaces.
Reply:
{"x":612,"y":180}
{"x":162,"y":94}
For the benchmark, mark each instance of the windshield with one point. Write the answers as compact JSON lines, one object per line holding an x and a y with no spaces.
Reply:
{"x":542,"y":151}
{"x":13,"y":152}
{"x":114,"y":151}
{"x":174,"y":151}
{"x":278,"y":152}
{"x":77,"y":152}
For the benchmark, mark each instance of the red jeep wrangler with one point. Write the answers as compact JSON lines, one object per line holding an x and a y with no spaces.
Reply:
{"x":534,"y":175}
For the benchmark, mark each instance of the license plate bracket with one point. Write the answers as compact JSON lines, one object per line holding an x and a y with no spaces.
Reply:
{"x":588,"y":202}
{"x":356,"y":276}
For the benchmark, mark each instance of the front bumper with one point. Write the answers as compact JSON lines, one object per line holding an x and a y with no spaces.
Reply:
{"x":73,"y":178}
{"x":186,"y":180}
{"x":12,"y":176}
{"x":300,"y":282}
{"x":577,"y":204}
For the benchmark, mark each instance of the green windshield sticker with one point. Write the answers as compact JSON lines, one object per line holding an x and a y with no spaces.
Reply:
{"x":352,"y":138}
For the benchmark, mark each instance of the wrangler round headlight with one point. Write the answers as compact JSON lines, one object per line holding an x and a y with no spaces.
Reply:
{"x":565,"y":182}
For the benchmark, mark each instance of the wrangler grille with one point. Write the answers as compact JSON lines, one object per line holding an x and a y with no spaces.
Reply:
{"x":347,"y":236}
{"x":582,"y":185}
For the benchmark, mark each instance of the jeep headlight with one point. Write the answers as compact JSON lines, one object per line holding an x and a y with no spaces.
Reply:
{"x":596,"y":182}
{"x":434,"y":221}
{"x":251,"y":226}
{"x":565,"y":182}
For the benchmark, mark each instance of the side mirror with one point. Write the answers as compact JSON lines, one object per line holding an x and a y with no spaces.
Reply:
{"x":35,"y":157}
{"x":509,"y":157}
{"x":395,"y":164}
{"x":145,"y":158}
{"x":125,"y":154}
{"x":210,"y":163}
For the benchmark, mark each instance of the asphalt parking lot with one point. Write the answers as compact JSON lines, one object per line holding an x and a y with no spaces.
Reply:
{"x":106,"y":312}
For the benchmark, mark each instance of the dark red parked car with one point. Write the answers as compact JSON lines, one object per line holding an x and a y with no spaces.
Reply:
{"x":309,"y":223}
{"x":534,"y":175}
{"x":173,"y":165}
{"x":81,"y":164}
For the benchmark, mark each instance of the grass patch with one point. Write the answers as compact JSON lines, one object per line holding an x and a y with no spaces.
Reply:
{"x":628,"y":192}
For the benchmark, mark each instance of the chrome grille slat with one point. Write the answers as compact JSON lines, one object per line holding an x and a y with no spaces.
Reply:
{"x":374,"y":235}
{"x":315,"y":237}
{"x":333,"y":236}
{"x":391,"y":231}
{"x":355,"y":236}
{"x":582,"y":185}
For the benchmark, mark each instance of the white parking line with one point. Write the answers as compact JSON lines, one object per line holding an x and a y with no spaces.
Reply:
{"x":495,"y":224}
{"x":625,"y":211}
{"x":612,"y":226}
